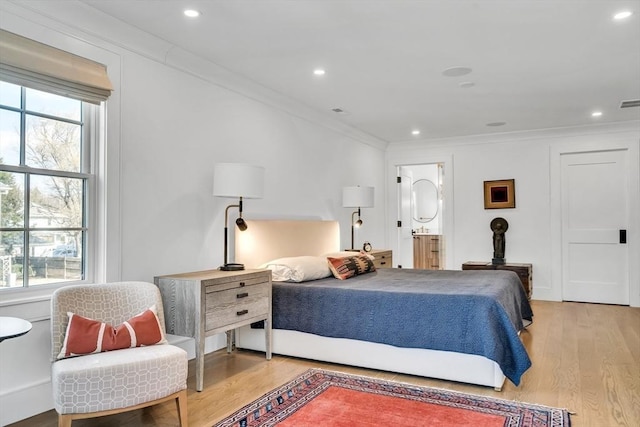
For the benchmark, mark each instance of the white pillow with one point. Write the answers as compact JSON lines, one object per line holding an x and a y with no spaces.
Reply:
{"x":298,"y":269}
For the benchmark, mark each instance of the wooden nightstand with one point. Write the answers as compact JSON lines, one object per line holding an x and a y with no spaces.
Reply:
{"x":383,"y":258}
{"x":205,"y":303}
{"x":524,"y":271}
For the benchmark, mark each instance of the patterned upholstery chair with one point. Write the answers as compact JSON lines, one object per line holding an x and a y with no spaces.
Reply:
{"x":110,"y":382}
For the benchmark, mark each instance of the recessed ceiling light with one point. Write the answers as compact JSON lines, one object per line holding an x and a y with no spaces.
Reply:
{"x":466,"y":85}
{"x":456,"y":71}
{"x":496,"y":124}
{"x":191,"y":13}
{"x":622,"y":15}
{"x":415,"y":132}
{"x":596,"y":114}
{"x":319,"y":72}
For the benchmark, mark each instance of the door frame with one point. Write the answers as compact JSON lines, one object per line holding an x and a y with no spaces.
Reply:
{"x":623,"y":140}
{"x":412,"y":159}
{"x":402,"y":259}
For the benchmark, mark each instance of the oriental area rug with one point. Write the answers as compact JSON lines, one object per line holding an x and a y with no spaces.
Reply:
{"x":322,"y":398}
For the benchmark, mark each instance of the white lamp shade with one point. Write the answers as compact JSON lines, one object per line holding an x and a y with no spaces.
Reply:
{"x":238,"y":180}
{"x":357,"y":197}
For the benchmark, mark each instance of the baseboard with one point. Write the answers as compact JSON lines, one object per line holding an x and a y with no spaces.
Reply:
{"x":25,"y":402}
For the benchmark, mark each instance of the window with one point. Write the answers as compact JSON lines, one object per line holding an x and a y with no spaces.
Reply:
{"x":45,"y":187}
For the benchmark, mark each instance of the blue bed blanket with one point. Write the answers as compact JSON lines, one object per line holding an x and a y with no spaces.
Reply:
{"x":474,"y":312}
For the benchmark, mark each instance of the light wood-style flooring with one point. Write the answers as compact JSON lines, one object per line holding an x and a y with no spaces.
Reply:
{"x":586,"y":357}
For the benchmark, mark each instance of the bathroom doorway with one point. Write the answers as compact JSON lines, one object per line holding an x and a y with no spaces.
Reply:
{"x":421,"y":207}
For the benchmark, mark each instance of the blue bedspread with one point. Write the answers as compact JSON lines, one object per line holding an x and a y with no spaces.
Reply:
{"x":474,"y":312}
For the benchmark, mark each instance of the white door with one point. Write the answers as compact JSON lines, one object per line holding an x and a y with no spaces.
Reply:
{"x":594,"y":222}
{"x":405,"y":238}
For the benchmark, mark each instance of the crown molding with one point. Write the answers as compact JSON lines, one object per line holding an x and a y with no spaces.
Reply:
{"x":630,"y":126}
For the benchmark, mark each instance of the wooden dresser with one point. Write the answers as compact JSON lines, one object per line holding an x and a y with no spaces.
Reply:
{"x":383,"y":258}
{"x":205,"y":303}
{"x":427,"y":251}
{"x":524,"y":271}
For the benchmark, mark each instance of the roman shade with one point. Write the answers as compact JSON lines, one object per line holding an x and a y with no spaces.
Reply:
{"x":38,"y":66}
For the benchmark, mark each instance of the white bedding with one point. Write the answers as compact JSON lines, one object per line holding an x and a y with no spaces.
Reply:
{"x":444,"y":365}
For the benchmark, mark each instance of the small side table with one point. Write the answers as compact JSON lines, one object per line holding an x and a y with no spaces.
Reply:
{"x":204,"y":303}
{"x":13,"y":327}
{"x":524,"y":271}
{"x":383,"y":258}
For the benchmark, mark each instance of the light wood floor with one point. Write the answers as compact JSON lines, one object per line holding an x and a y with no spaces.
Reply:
{"x":586,"y":357}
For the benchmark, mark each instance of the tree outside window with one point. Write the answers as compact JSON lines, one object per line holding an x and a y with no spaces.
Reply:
{"x":43,"y":187}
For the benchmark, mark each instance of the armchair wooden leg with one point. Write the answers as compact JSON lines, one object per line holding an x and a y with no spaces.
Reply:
{"x":181,"y":403}
{"x":64,"y":420}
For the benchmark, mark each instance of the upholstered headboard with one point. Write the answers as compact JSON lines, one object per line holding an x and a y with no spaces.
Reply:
{"x":265,"y":240}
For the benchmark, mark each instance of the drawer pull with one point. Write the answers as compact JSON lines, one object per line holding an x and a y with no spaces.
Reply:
{"x":382,"y":263}
{"x":242,"y":295}
{"x":242,"y":284}
{"x":241,"y":312}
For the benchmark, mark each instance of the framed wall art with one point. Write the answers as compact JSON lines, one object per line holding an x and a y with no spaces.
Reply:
{"x":500,"y":194}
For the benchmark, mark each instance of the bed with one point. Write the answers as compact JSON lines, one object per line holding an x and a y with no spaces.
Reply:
{"x":389,"y":319}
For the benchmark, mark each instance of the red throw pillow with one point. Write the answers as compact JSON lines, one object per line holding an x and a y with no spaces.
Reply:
{"x":87,"y":336}
{"x":343,"y":268}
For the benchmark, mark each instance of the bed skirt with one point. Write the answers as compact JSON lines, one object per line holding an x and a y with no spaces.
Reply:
{"x":445,"y":365}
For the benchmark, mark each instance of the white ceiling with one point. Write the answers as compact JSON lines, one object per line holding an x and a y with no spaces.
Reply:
{"x":536,"y":64}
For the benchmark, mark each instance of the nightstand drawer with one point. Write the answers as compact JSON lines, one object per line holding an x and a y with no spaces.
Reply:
{"x":232,"y":283}
{"x":230,"y":314}
{"x":236,"y":304}
{"x":383,"y":258}
{"x":236,"y":296}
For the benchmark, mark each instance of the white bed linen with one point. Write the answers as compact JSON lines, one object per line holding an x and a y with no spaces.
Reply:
{"x":446,"y":365}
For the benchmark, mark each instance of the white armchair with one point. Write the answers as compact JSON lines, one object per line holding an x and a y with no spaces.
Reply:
{"x":114,"y":381}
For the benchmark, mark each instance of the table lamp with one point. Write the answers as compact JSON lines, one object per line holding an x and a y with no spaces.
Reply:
{"x":356,"y":197}
{"x":236,"y":180}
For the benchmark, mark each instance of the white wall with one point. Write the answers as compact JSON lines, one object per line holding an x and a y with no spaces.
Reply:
{"x":529,"y":158}
{"x":170,"y":119}
{"x":171,"y":222}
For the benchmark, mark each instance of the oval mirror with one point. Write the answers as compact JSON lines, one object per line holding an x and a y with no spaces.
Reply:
{"x":425,"y":200}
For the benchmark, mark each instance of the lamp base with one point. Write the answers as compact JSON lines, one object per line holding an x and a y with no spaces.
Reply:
{"x":232,"y":267}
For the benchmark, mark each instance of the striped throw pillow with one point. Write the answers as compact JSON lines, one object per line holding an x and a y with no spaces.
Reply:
{"x":344,"y":268}
{"x":87,"y":336}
